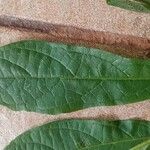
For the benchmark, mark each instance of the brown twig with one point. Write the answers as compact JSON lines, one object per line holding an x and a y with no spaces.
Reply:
{"x":121,"y":44}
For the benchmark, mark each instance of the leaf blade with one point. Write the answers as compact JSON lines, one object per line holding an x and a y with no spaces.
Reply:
{"x":84,"y":134}
{"x":54,"y":78}
{"x":142,"y":146}
{"x":134,"y":5}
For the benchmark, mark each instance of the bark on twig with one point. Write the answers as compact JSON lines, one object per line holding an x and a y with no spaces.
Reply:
{"x":127,"y":45}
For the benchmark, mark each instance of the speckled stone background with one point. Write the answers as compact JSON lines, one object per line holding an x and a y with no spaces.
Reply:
{"x":87,"y":14}
{"x":117,"y":30}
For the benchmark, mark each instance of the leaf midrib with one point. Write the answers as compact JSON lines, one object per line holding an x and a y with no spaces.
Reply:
{"x":143,"y":138}
{"x":74,"y":78}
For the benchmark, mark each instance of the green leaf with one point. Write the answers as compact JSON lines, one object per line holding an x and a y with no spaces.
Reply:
{"x":135,"y":5}
{"x":142,"y":146}
{"x":54,"y":78}
{"x":83,"y":134}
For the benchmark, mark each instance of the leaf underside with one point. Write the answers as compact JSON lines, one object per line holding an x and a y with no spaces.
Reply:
{"x":84,"y":134}
{"x":54,"y":78}
{"x":135,"y":5}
